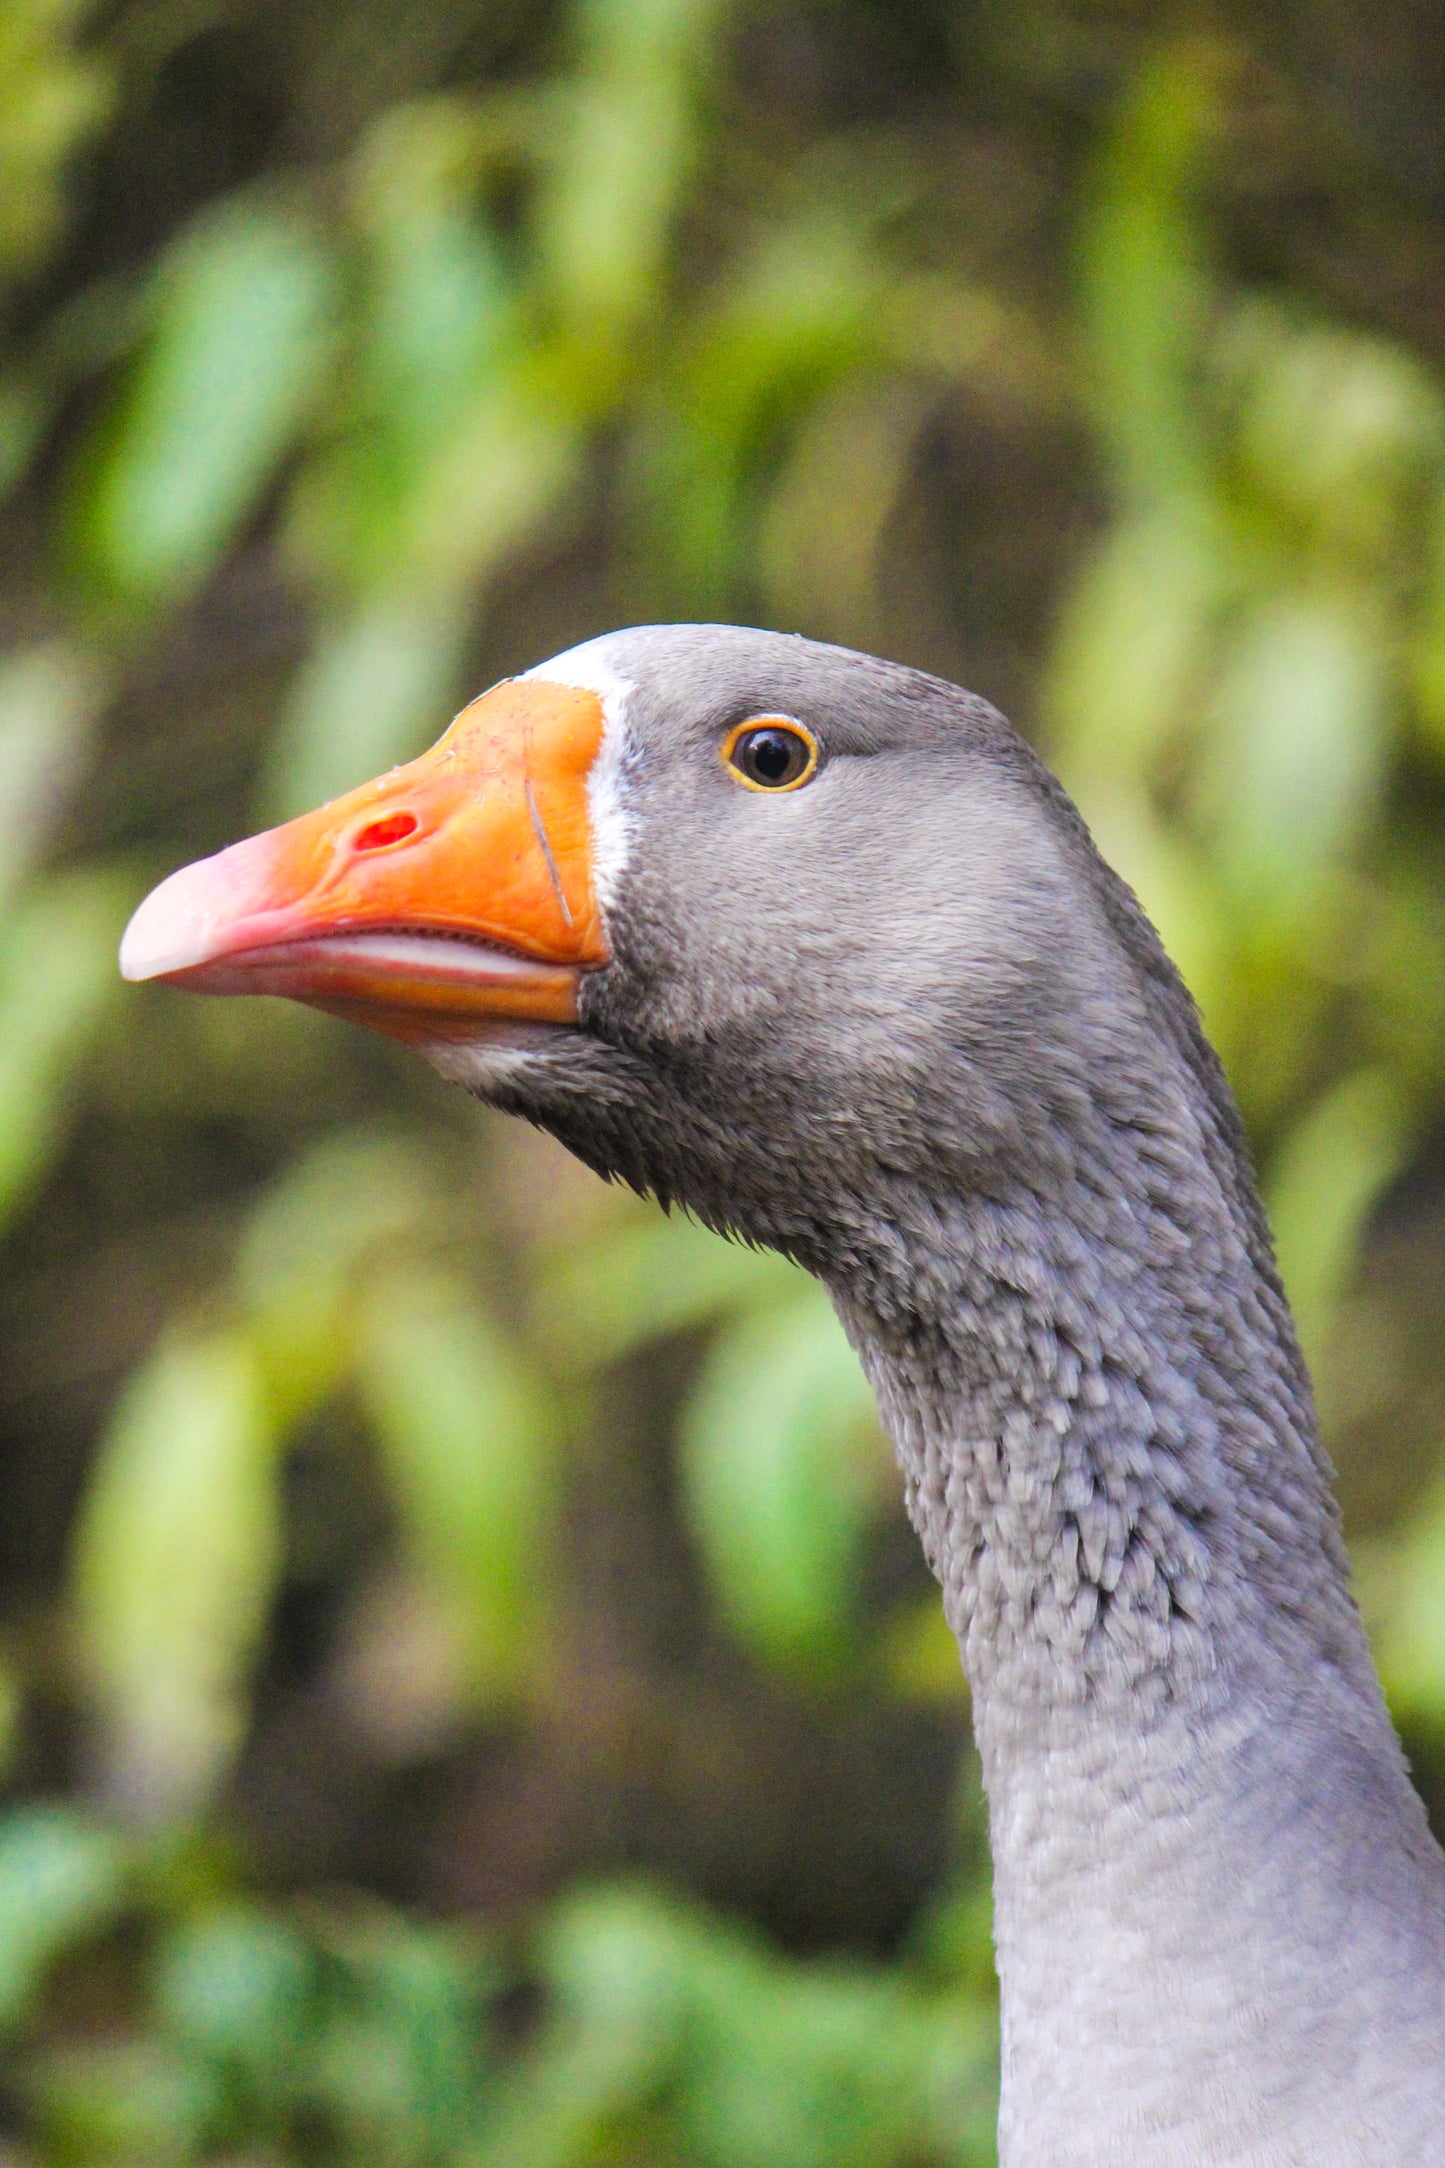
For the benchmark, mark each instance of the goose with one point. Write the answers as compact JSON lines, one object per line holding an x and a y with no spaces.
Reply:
{"x":814,"y":946}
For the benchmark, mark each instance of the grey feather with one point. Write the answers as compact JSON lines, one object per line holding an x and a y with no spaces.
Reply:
{"x":904,"y":1025}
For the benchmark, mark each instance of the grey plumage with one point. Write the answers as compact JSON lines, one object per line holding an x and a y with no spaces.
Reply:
{"x":906,"y":1026}
{"x":902,"y":1024}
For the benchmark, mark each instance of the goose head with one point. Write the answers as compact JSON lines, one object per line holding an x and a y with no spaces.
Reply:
{"x":750,"y":922}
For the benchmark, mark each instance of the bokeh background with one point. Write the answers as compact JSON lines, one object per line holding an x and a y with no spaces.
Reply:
{"x":467,"y":1692}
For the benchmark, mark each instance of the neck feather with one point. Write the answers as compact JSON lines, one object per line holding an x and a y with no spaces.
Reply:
{"x":1107,"y":1435}
{"x":1110,"y":1455}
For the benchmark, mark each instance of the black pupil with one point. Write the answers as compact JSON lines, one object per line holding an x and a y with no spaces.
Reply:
{"x":773,"y":757}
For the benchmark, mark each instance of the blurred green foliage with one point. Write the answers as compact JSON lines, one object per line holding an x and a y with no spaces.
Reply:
{"x":588,"y":301}
{"x":341,"y":2030}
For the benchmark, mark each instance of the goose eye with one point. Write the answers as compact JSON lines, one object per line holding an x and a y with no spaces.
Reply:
{"x":771,"y":755}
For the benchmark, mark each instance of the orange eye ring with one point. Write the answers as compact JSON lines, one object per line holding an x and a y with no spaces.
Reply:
{"x":770,"y":753}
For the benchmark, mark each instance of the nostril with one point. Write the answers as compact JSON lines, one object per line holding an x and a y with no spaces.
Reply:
{"x":391,"y":828}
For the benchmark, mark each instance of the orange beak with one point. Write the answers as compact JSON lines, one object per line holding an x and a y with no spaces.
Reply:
{"x":451,"y":891}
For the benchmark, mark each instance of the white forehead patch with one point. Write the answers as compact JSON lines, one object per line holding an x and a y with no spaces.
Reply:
{"x":586,"y":669}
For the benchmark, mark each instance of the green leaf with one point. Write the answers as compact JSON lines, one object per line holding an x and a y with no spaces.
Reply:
{"x":615,"y":1962}
{"x":1341,"y":432}
{"x":61,"y":1877}
{"x":51,"y":98}
{"x":235,"y":1984}
{"x":1428,"y":653}
{"x":356,"y":1199}
{"x":25,"y":412}
{"x":121,"y":2101}
{"x":490,"y":489}
{"x":402,"y":2064}
{"x":810,"y":2067}
{"x":1131,"y":648}
{"x":1144,"y":271}
{"x":919,"y":1655}
{"x":618,"y":167}
{"x":778,"y":1445}
{"x":376,"y":689}
{"x":638,"y":1283}
{"x":233,"y":365}
{"x":1401,"y":961}
{"x":953,"y":1939}
{"x":58,"y":982}
{"x":825,"y":526}
{"x":436,"y":335}
{"x":470,"y":1443}
{"x":801,"y":314}
{"x":50,"y":697}
{"x":1330,"y":1172}
{"x":1292,"y":768}
{"x":742,"y":2059}
{"x":980,"y":340}
{"x":1410,"y":1641}
{"x":175,"y":1561}
{"x":437,"y":299}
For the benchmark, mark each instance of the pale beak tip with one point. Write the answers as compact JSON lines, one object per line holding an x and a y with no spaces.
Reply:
{"x":171,"y":930}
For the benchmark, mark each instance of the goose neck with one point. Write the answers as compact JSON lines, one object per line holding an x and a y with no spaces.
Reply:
{"x":1109,"y":1449}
